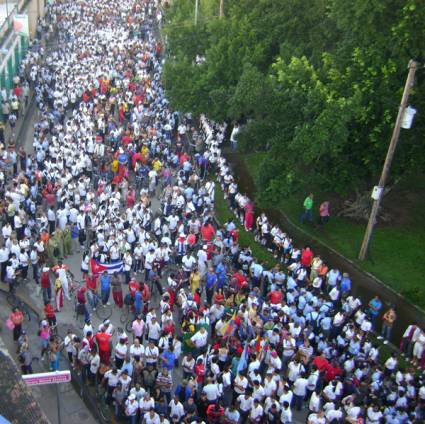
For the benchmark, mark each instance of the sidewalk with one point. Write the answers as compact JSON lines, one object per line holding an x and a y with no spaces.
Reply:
{"x":73,"y":408}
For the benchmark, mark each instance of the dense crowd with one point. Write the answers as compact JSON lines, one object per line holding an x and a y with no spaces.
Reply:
{"x":121,"y":178}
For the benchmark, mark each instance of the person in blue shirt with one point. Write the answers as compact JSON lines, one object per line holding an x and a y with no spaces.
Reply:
{"x":128,"y":365}
{"x":168,"y":358}
{"x":210,"y":284}
{"x":221,"y":275}
{"x":345,"y":284}
{"x":75,"y":234}
{"x":138,"y":303}
{"x":375,"y":306}
{"x":105,"y":287}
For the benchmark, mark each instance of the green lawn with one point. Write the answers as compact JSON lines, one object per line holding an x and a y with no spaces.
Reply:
{"x":397,"y":252}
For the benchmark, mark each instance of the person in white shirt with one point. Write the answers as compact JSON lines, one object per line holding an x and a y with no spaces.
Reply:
{"x":211,"y":390}
{"x":176,"y":408}
{"x":391,"y":364}
{"x":269,"y":384}
{"x":317,"y":418}
{"x":300,"y":391}
{"x":258,"y":391}
{"x":151,"y":354}
{"x":131,"y":408}
{"x":137,"y":349}
{"x":257,"y":412}
{"x":240,"y":384}
{"x":94,"y":365}
{"x":246,"y":402}
{"x":120,"y":352}
{"x":154,"y":330}
{"x":200,"y":339}
{"x":146,"y":404}
{"x":373,"y":415}
{"x":112,"y":378}
{"x":286,"y":413}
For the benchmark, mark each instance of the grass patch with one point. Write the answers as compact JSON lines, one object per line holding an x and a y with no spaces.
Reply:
{"x":246,"y":239}
{"x":396,"y":251}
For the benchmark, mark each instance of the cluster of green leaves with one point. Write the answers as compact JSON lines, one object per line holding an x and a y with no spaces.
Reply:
{"x":317,"y":83}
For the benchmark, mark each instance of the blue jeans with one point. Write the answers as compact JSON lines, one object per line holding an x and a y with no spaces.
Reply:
{"x":306,"y":215}
{"x":105,"y":295}
{"x":93,"y":299}
{"x":133,"y":419}
{"x":298,"y":402}
{"x":54,"y":365}
{"x":86,"y":313}
{"x":386,"y":331}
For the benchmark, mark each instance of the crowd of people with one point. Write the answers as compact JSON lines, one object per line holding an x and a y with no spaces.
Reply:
{"x":216,"y":335}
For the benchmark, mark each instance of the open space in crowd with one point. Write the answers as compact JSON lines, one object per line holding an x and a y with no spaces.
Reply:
{"x":172,"y":320}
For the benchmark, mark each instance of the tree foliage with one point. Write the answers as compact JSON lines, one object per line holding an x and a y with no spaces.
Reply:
{"x":317,"y":83}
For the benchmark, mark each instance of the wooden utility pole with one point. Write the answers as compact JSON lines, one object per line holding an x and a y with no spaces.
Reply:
{"x":196,"y":11}
{"x":221,"y":8}
{"x":413,"y":65}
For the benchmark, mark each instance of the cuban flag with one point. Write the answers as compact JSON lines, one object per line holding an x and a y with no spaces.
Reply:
{"x":98,"y":267}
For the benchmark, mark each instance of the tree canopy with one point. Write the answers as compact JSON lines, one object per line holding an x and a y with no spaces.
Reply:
{"x":317,"y":83}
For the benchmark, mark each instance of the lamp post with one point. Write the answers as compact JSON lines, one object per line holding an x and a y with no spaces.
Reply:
{"x":377,"y":194}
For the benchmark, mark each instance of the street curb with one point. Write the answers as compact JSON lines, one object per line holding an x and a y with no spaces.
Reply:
{"x":25,"y":300}
{"x":351,"y":262}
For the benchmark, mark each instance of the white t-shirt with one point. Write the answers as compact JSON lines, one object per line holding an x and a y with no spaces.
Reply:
{"x":256,"y":412}
{"x":200,"y":339}
{"x":121,"y":350}
{"x":212,"y":391}
{"x":137,"y":350}
{"x":245,"y":404}
{"x":300,"y":386}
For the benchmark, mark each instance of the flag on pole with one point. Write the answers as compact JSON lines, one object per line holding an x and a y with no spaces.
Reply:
{"x":243,"y":361}
{"x":228,"y":327}
{"x":98,"y":267}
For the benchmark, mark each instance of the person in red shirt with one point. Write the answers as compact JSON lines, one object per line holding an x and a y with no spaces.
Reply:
{"x":103,"y":341}
{"x":207,"y":231}
{"x":239,"y":279}
{"x":46,"y":287}
{"x":214,"y":412}
{"x":275,"y":296}
{"x":89,"y":341}
{"x":92,"y":282}
{"x":306,"y":257}
{"x":321,"y":362}
{"x":332,"y":372}
{"x":200,"y":371}
{"x":133,"y":287}
{"x":49,"y":312}
{"x":82,"y":302}
{"x":17,"y":91}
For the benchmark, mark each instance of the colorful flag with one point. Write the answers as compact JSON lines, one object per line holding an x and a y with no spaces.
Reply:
{"x":97,"y":267}
{"x":228,"y":327}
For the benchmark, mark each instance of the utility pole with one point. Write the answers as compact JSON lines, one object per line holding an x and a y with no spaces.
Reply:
{"x":413,"y":65}
{"x":221,"y":8}
{"x":196,"y":11}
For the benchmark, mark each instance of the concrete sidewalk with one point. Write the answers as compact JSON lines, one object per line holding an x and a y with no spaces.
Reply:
{"x":72,"y":406}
